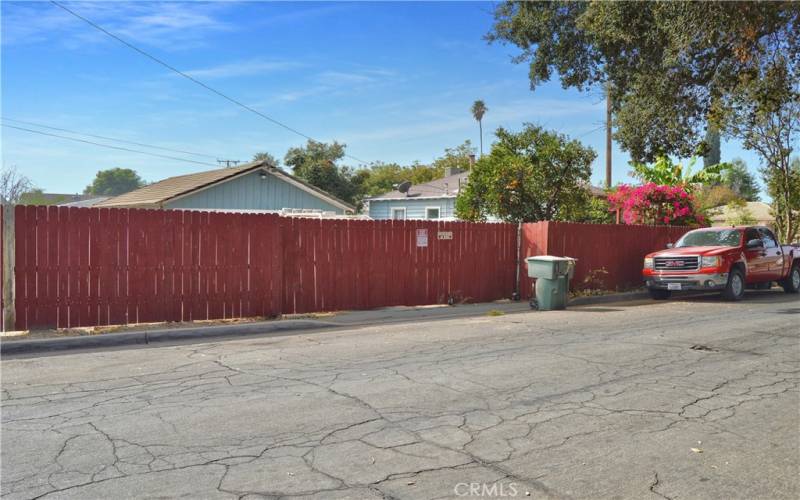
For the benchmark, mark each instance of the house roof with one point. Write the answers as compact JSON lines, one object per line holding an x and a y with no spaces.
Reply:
{"x":758,"y":209}
{"x":447,"y":187}
{"x":40,"y":198}
{"x":156,"y":194}
{"x":86,"y":202}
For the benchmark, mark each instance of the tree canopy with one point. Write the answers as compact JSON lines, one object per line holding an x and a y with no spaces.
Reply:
{"x":265,"y":156}
{"x":675,"y":69}
{"x":665,"y":172}
{"x":528,"y":176}
{"x":670,"y":65}
{"x":316,"y":163}
{"x":13,"y":185}
{"x":741,"y":181}
{"x":114,"y":181}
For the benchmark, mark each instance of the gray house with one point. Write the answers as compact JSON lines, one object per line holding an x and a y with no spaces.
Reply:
{"x":254,"y":186}
{"x":431,"y":200}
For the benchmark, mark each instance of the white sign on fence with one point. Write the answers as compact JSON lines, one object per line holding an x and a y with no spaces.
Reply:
{"x":445,"y":235}
{"x":422,"y":237}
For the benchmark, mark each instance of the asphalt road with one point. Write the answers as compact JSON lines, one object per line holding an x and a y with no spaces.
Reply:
{"x":686,"y":399}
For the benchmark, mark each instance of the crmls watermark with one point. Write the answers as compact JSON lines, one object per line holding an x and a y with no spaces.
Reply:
{"x":486,"y":490}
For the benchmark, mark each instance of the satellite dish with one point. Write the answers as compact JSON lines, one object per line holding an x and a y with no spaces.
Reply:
{"x":403,"y":187}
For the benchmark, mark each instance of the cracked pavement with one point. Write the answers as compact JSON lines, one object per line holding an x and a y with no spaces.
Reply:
{"x":693,"y":398}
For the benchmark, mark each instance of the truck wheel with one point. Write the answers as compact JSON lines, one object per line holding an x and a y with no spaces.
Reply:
{"x":792,"y":282}
{"x":734,"y":290}
{"x":659,"y":294}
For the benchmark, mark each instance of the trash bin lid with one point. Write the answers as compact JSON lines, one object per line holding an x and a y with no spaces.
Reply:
{"x":548,"y":258}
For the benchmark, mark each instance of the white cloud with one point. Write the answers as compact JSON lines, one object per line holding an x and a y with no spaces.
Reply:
{"x":510,"y":115}
{"x":356,"y":77}
{"x":244,"y":68}
{"x":168,"y":25}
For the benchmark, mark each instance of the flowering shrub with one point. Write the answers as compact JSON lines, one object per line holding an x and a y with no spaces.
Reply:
{"x":656,"y":204}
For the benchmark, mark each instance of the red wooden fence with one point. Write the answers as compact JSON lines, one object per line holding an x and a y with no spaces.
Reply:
{"x":619,"y":249}
{"x":88,"y":267}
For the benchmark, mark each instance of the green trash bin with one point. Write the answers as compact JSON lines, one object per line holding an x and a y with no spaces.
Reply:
{"x":552,"y":280}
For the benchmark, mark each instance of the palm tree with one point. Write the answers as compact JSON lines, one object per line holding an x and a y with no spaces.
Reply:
{"x":478,"y":110}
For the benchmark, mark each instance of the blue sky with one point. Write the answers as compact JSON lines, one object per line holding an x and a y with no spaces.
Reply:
{"x":394,"y":81}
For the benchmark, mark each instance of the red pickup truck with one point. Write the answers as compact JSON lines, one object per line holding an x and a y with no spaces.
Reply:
{"x":728,"y":259}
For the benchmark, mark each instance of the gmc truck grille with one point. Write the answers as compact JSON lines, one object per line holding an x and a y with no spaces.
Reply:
{"x":676,"y":263}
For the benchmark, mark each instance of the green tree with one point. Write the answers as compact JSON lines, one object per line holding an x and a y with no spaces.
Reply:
{"x":37,"y":196}
{"x":528,"y":176}
{"x":265,"y":156}
{"x":478,"y":110}
{"x":784,"y":188}
{"x":739,"y":179}
{"x":595,"y":211}
{"x":766,"y":118}
{"x":670,"y":65}
{"x":316,"y":163}
{"x":381,"y":177}
{"x":114,"y":181}
{"x":709,"y":197}
{"x":457,"y":157}
{"x":664,"y":172}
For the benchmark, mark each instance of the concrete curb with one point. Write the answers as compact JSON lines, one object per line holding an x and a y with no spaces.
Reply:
{"x":152,"y":336}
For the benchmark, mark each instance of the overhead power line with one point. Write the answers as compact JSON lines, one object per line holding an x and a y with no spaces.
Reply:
{"x":108,"y":138}
{"x":108,"y":145}
{"x":591,"y":131}
{"x":189,"y":77}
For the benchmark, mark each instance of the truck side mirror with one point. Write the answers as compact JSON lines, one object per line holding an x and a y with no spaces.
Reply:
{"x":755,"y":243}
{"x":670,"y":245}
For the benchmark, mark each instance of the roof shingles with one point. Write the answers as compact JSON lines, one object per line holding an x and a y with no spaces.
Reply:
{"x":156,"y":194}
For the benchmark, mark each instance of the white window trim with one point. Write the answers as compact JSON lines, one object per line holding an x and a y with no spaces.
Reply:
{"x":438,"y":213}
{"x":398,"y":209}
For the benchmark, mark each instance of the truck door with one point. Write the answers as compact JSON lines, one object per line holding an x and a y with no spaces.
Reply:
{"x":773,"y":257}
{"x":757,"y":268}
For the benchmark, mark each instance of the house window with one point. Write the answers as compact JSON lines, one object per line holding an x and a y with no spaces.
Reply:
{"x":398,"y":213}
{"x":431,"y":212}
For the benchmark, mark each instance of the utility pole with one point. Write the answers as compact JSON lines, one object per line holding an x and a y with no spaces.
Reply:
{"x":608,"y":135}
{"x":228,"y":162}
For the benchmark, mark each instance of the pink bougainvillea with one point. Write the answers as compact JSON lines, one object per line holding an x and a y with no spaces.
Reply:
{"x":656,"y":204}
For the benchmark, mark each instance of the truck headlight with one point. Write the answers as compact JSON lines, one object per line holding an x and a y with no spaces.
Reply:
{"x":648,"y":263}
{"x":709,"y":262}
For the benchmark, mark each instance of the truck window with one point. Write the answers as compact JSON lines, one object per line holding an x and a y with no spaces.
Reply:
{"x":768,"y":237}
{"x":711,"y":238}
{"x":751,"y":234}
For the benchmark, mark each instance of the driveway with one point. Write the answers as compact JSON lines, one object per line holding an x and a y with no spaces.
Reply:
{"x":694,"y":398}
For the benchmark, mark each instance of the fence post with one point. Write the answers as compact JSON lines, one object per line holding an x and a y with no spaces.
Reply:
{"x":9,"y":313}
{"x":518,"y":263}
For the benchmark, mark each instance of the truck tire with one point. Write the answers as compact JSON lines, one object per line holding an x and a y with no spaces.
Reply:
{"x":734,"y":290}
{"x":657,"y":294}
{"x":792,"y":282}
